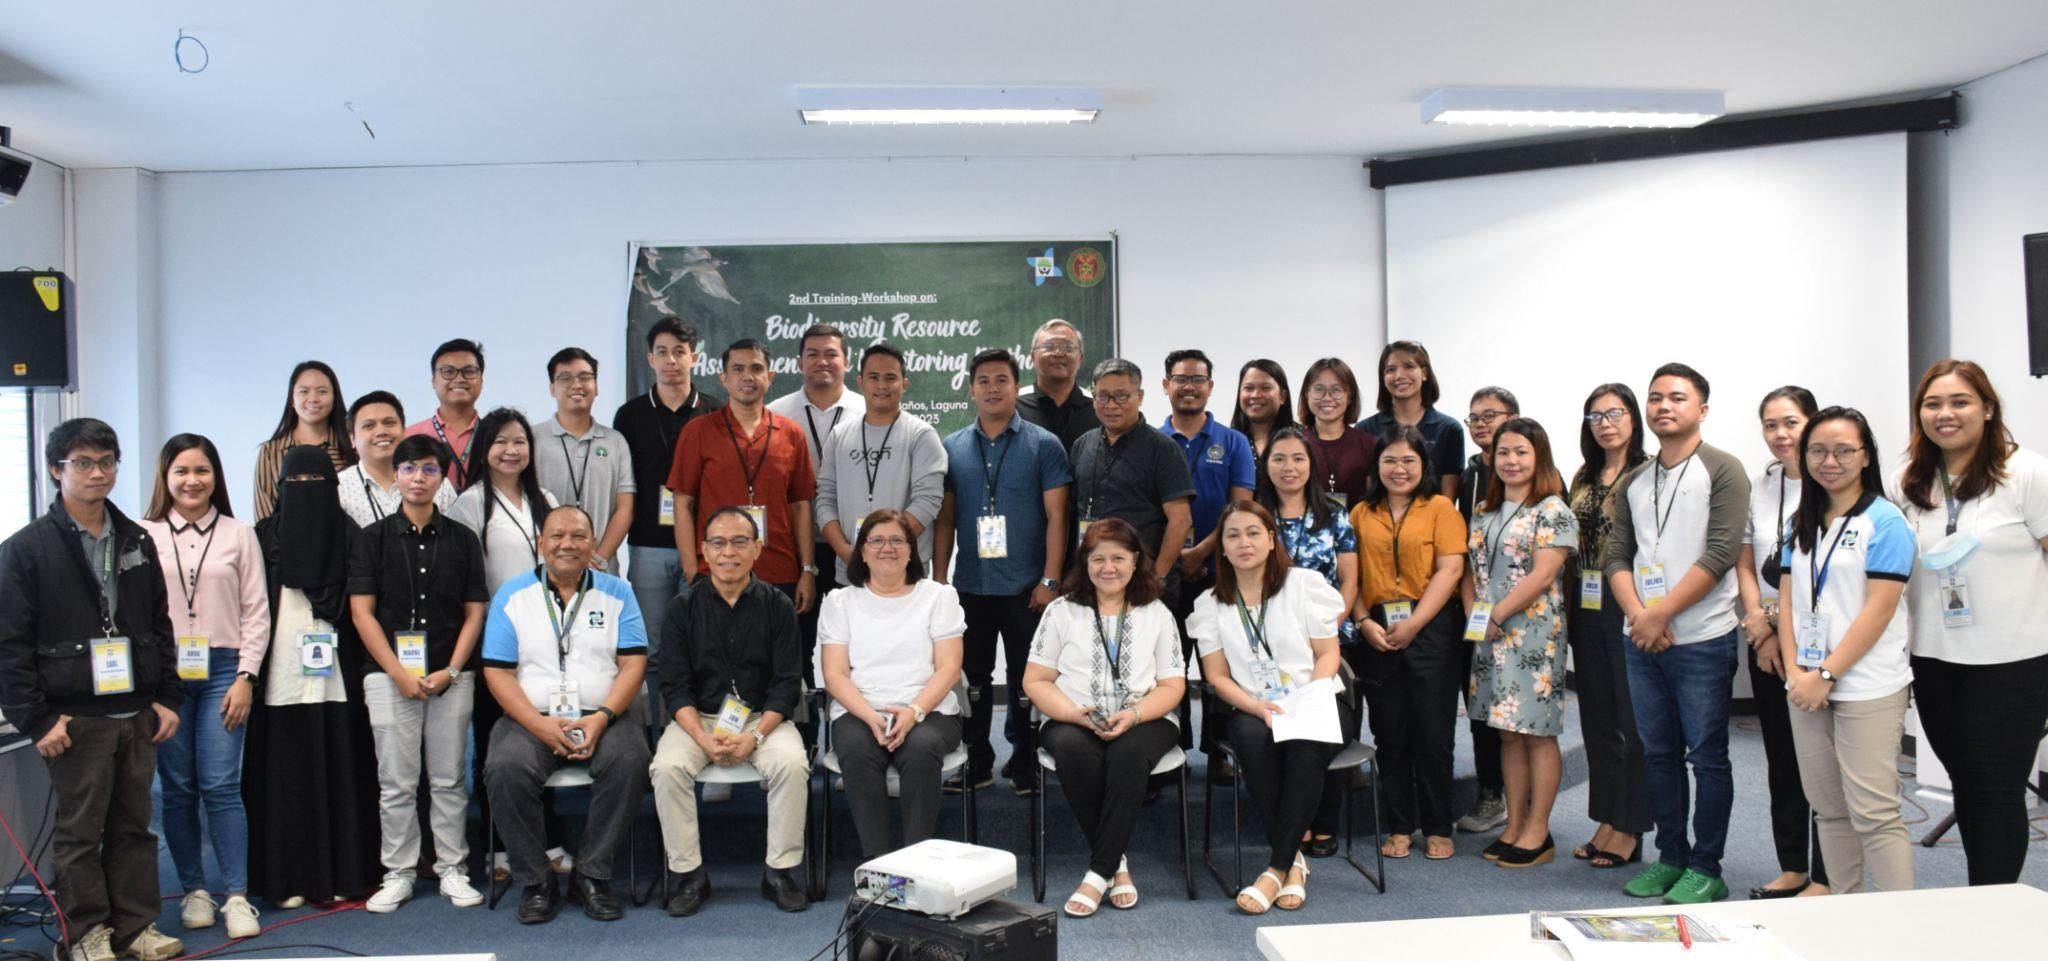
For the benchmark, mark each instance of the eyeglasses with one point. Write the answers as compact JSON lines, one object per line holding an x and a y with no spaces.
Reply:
{"x":1057,"y":346}
{"x":577,"y":379}
{"x":1485,"y":417}
{"x":1328,"y":390}
{"x":1188,"y":380}
{"x":1117,"y":399}
{"x":459,"y":373}
{"x":891,"y":543}
{"x":424,"y":470}
{"x":1840,"y":455}
{"x":1615,"y":417}
{"x":740,"y":543}
{"x":84,"y":466}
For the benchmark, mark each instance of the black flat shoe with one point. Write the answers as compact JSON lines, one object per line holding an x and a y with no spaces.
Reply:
{"x":1496,"y":849}
{"x":599,"y":903}
{"x":539,"y":902}
{"x":1771,"y":894}
{"x":1515,"y":857}
{"x":1322,"y":847}
{"x":776,"y":886}
{"x":692,"y":890}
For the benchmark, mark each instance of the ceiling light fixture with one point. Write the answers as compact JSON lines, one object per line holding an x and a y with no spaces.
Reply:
{"x":847,"y":105}
{"x":1539,"y":107}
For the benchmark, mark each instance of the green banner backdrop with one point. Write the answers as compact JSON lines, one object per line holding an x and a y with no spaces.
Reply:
{"x":939,"y":302}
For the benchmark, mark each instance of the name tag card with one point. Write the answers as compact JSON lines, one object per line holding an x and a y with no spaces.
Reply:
{"x":1273,"y":683}
{"x":992,"y":536}
{"x":1650,"y":584}
{"x":565,"y":701}
{"x":1397,"y":611}
{"x":1590,"y":590}
{"x":195,"y":659}
{"x":113,"y":666}
{"x":760,"y":516}
{"x":1955,"y":599}
{"x":668,"y":507}
{"x":1811,"y":633}
{"x":1081,"y":530}
{"x":316,"y":654}
{"x":1475,"y":625}
{"x":732,"y":717}
{"x":412,"y":652}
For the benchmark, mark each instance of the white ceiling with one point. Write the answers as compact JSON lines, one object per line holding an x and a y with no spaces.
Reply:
{"x":91,"y":82}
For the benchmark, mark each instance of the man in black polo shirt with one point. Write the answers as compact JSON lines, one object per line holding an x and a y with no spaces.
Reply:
{"x":88,"y":672}
{"x":417,"y":596}
{"x":651,"y":424}
{"x":731,"y":666}
{"x":1055,"y":401}
{"x":1127,"y":469}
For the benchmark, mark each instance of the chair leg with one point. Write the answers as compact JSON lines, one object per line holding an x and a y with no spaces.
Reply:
{"x":633,"y":861}
{"x":1187,"y":863}
{"x":1038,"y":834}
{"x":1209,"y":832}
{"x":1237,"y":827}
{"x":816,"y":868}
{"x":491,"y":866}
{"x":1378,"y":875}
{"x":969,"y":811}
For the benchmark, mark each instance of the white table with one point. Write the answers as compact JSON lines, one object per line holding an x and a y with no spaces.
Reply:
{"x":1940,"y":924}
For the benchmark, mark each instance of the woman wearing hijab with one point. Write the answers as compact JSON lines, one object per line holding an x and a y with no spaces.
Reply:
{"x":309,"y":780}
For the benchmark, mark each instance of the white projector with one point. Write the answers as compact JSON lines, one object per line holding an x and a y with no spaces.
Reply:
{"x":940,"y":878}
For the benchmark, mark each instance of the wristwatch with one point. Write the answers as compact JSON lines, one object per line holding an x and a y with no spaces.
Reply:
{"x":811,"y":569}
{"x":759,"y":738}
{"x":1049,"y":583}
{"x":917,"y":713}
{"x":1826,"y":675}
{"x":245,"y":675}
{"x":609,"y":714}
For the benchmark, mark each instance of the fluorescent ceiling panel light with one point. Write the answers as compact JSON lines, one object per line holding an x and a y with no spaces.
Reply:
{"x":843,"y":105}
{"x":1535,"y":107}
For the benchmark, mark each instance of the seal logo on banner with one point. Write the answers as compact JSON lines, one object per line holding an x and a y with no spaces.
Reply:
{"x":1043,"y":268}
{"x":1085,"y":267}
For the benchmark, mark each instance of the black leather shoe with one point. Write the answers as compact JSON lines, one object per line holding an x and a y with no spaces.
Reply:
{"x":692,"y":890}
{"x":599,"y":903}
{"x":776,"y":886}
{"x":1221,"y":772}
{"x":539,"y":902}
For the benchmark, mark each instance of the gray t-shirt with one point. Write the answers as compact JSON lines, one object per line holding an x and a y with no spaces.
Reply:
{"x":587,"y":471}
{"x":901,"y":466}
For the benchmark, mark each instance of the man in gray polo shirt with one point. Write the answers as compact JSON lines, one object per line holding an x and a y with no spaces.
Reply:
{"x":582,"y":462}
{"x":883,"y":458}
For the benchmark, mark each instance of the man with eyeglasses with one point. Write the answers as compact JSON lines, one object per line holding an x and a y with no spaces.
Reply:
{"x":458,"y":381}
{"x":582,"y":462}
{"x":730,"y":671}
{"x":881,"y":459}
{"x":417,"y":596}
{"x":1055,"y":402}
{"x":89,"y":674}
{"x":1490,"y":408}
{"x":1128,"y":470}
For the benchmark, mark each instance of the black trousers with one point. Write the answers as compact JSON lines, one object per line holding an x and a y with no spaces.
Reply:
{"x":1182,"y":603}
{"x":1792,"y":830}
{"x":1105,"y":781}
{"x":101,"y":846}
{"x":1617,"y":783}
{"x":519,"y":766}
{"x":990,"y":616}
{"x":865,"y":765}
{"x":1411,"y":702}
{"x":1285,"y":780}
{"x":1984,"y":722}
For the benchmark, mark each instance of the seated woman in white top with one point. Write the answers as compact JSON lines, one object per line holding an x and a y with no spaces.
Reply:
{"x":1106,"y":671}
{"x":890,"y":647}
{"x":1265,"y":630}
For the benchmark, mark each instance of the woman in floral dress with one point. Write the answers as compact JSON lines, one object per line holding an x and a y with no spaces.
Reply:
{"x":1521,"y":536}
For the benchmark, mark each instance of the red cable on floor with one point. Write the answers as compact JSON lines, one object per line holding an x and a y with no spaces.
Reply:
{"x":348,"y":906}
{"x":63,"y":925}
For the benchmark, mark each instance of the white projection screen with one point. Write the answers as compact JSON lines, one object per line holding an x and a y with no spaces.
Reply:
{"x":1760,"y":267}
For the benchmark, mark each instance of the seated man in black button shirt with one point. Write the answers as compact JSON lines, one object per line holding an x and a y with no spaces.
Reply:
{"x":730,"y":666}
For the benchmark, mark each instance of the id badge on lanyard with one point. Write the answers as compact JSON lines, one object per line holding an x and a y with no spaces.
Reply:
{"x":316,"y":654}
{"x":565,"y":701}
{"x":992,"y":536}
{"x":1955,"y":599}
{"x":1811,"y":633}
{"x":1081,"y":529}
{"x":1650,"y":583}
{"x":668,"y":508}
{"x":1272,"y":682}
{"x":759,"y":514}
{"x":1475,"y":625}
{"x":1590,"y":590}
{"x":412,"y":652}
{"x":195,"y":658}
{"x":1397,"y":611}
{"x":113,"y":666}
{"x":733,"y":715}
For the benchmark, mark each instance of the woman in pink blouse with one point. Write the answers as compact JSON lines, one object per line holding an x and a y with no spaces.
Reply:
{"x":220,"y":614}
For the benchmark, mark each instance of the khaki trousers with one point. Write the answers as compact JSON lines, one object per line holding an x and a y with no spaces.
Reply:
{"x":1849,"y":765}
{"x":785,"y":775}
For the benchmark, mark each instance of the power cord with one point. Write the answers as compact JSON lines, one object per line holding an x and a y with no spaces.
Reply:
{"x":63,"y":925}
{"x":222,"y":950}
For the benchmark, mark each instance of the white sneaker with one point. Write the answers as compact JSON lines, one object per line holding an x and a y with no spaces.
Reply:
{"x":197,"y":910}
{"x":241,"y":917}
{"x":153,"y":945}
{"x":396,"y":891}
{"x":96,"y":945}
{"x":714,"y":793}
{"x":295,"y":901}
{"x":456,"y":889}
{"x":561,"y":861}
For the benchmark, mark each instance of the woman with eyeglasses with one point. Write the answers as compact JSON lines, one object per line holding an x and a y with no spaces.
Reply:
{"x":314,"y":414}
{"x":1263,"y":405}
{"x":1519,"y":543}
{"x":1344,"y":454}
{"x":1408,"y":393}
{"x":1774,"y":498}
{"x":890,"y":648}
{"x":1842,"y":640}
{"x":1617,"y":783}
{"x":1978,"y":504}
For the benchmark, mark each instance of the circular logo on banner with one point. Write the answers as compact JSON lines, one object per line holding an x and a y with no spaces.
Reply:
{"x":1085,"y":267}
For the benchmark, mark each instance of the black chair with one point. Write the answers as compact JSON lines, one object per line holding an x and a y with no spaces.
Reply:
{"x":1174,"y":760}
{"x":827,"y":767}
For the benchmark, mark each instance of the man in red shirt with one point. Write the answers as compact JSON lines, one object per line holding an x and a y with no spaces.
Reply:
{"x":749,"y":457}
{"x":458,"y":368}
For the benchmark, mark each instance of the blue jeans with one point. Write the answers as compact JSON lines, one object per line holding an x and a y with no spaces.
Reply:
{"x":657,"y":577}
{"x":203,"y":763}
{"x":1681,"y":705}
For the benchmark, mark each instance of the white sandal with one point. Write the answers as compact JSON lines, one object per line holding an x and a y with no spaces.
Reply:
{"x":1088,"y":905}
{"x":1123,"y":866}
{"x":1299,"y":892}
{"x":1257,"y":896}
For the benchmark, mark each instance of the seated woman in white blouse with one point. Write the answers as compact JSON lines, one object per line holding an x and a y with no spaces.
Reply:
{"x":1266,"y":629}
{"x":1106,"y":671}
{"x":890,"y":647}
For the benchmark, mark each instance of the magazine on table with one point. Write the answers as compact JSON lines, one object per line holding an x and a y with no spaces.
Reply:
{"x":1592,"y":936}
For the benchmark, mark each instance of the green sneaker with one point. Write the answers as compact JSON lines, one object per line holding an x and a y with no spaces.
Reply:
{"x":1654,"y":881}
{"x":1696,"y":888}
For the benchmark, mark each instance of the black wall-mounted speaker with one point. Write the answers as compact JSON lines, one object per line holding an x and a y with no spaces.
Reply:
{"x":38,"y":330}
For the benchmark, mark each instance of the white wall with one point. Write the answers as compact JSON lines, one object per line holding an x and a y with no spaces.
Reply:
{"x":369,"y":269}
{"x":1758,"y":267}
{"x":1992,"y":168}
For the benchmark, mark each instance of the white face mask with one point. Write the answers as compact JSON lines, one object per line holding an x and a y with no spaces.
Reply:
{"x":1949,"y":551}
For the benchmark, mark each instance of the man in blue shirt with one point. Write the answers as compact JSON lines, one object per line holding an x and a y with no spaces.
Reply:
{"x":1006,"y":501}
{"x":1224,"y":470}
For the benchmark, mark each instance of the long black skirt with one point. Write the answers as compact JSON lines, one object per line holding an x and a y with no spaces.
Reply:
{"x":309,"y":780}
